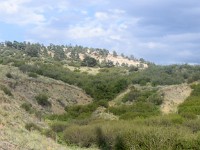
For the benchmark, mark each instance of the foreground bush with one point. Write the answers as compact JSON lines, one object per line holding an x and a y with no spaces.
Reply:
{"x":124,"y":135}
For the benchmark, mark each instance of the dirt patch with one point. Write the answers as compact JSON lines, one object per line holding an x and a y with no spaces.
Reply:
{"x":173,"y":96}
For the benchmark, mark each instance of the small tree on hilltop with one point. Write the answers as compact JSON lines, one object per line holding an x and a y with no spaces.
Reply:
{"x":114,"y":54}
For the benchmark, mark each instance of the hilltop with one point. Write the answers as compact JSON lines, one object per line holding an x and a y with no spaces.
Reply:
{"x":74,"y":55}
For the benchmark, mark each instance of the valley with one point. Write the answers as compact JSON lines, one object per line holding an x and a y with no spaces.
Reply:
{"x":64,"y":97}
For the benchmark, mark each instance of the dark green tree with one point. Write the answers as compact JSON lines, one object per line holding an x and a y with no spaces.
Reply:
{"x":114,"y":53}
{"x":89,"y":61}
{"x":32,"y":50}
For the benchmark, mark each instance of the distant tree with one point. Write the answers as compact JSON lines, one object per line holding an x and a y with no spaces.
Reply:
{"x":59,"y":53}
{"x":109,"y":63}
{"x":132,"y":57}
{"x":89,"y":61}
{"x":8,"y":43}
{"x":142,"y":60}
{"x":114,"y":53}
{"x":32,"y":50}
{"x":74,"y":54}
{"x":133,"y":68}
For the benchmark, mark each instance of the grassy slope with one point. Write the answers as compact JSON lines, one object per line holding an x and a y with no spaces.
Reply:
{"x":13,"y":118}
{"x":25,"y":88}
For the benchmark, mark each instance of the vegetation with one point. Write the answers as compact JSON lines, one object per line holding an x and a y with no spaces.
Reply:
{"x":6,"y":90}
{"x":191,"y":106}
{"x":9,"y":75}
{"x":138,"y":122}
{"x":152,"y":96}
{"x":42,"y":99}
{"x":102,"y":86}
{"x":33,"y":75}
{"x":89,"y":62}
{"x":27,"y":107}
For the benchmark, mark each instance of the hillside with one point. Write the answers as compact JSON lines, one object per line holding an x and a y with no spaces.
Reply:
{"x":14,"y":118}
{"x":13,"y":131}
{"x":25,"y":89}
{"x":73,"y":97}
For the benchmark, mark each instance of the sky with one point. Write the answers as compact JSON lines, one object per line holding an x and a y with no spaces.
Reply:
{"x":160,"y":31}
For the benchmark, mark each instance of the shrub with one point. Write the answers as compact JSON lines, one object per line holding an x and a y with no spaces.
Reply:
{"x":50,"y":134}
{"x":58,"y":126}
{"x":33,"y":75}
{"x":27,"y":107}
{"x":166,"y":120}
{"x":83,"y":137}
{"x":119,"y":143}
{"x":42,"y":99}
{"x":102,"y":142}
{"x":32,"y":126}
{"x":9,"y":75}
{"x":138,"y":109}
{"x":188,"y":115}
{"x":6,"y":90}
{"x":194,"y":125}
{"x":103,"y":103}
{"x":192,"y":103}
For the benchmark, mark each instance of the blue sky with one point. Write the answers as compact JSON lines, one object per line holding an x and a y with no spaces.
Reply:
{"x":160,"y":31}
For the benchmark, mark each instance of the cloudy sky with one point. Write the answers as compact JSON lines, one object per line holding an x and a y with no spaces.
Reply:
{"x":160,"y":31}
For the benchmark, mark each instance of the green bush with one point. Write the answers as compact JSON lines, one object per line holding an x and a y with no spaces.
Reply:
{"x":120,"y":143}
{"x":194,"y":125}
{"x":83,"y":137}
{"x":103,"y":103}
{"x":192,"y":103}
{"x":42,"y":99}
{"x":188,"y":115}
{"x":33,"y":75}
{"x":9,"y":75}
{"x":27,"y":107}
{"x":139,"y":109}
{"x":143,"y":96}
{"x":102,"y":142}
{"x":50,"y":134}
{"x":6,"y":90}
{"x":32,"y":126}
{"x":166,"y":120}
{"x":58,"y":126}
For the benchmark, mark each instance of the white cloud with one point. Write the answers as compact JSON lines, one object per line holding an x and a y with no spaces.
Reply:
{"x":17,"y":12}
{"x":101,"y":15}
{"x":151,"y":29}
{"x":86,"y":32}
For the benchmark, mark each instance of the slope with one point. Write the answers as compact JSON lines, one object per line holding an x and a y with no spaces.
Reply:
{"x":14,"y":120}
{"x":173,"y":96}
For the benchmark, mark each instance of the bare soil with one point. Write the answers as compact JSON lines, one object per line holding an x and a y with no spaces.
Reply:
{"x":173,"y":96}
